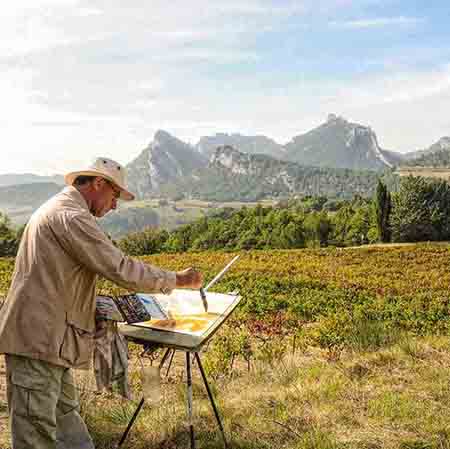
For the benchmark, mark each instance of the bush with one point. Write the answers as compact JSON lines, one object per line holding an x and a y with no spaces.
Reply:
{"x":9,"y":238}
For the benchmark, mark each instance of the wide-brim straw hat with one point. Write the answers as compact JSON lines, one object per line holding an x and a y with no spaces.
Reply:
{"x":108,"y":169}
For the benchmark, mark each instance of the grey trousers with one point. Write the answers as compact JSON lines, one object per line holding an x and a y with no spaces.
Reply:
{"x":43,"y":406}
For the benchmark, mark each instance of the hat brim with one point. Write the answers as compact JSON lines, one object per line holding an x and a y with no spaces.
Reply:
{"x":125,"y":194}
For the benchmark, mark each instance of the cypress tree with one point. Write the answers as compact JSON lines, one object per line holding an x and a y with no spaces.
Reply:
{"x":383,"y":206}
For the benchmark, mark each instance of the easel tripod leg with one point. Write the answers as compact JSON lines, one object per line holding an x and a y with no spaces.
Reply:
{"x":165,"y":357}
{"x":211,"y":399}
{"x":130,"y":424}
{"x":170,"y":362}
{"x":189,"y":397}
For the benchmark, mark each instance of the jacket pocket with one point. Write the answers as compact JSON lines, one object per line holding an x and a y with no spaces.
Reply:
{"x":77,"y":345}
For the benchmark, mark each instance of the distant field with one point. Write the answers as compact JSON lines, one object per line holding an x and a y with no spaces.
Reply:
{"x":426,"y":172}
{"x":196,"y":204}
{"x":167,"y":214}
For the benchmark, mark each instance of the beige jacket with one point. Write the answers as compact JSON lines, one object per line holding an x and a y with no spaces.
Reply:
{"x":50,"y":308}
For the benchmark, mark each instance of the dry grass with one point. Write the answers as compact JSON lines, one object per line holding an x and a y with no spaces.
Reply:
{"x":396,"y":397}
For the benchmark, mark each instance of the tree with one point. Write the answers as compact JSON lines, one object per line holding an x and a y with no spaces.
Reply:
{"x":383,"y":206}
{"x":317,"y":228}
{"x":420,"y":210}
{"x":354,"y":223}
{"x":148,"y":241}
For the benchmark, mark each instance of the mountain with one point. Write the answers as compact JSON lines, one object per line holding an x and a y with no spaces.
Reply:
{"x":28,"y":178}
{"x":248,"y":144}
{"x":165,"y":159}
{"x":340,"y":144}
{"x":436,"y":155}
{"x":235,"y":176}
{"x":167,"y":163}
{"x":20,"y":201}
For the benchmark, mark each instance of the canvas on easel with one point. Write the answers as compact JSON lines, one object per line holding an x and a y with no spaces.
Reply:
{"x":187,"y":325}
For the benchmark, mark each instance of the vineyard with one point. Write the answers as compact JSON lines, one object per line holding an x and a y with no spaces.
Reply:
{"x":328,"y":348}
{"x":324,"y":293}
{"x":330,"y":296}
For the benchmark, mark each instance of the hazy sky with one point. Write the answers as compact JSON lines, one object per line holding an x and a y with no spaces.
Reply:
{"x":86,"y":78}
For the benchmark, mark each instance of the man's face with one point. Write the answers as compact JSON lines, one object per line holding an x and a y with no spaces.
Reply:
{"x":105,"y":198}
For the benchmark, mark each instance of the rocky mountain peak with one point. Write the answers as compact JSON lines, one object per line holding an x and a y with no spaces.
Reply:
{"x":335,"y":118}
{"x":228,"y":157}
{"x":162,"y":137}
{"x":259,"y":144}
{"x":165,"y":159}
{"x":338,"y":143}
{"x":232,"y":161}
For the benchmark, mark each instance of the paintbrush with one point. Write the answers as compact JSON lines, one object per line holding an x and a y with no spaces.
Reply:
{"x":203,"y":296}
{"x":219,"y":276}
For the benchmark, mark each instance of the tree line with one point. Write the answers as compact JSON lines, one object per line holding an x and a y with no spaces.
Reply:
{"x":418,"y":211}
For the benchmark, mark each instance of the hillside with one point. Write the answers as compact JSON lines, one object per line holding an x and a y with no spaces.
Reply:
{"x":12,"y":179}
{"x":437,"y":155}
{"x":20,"y":201}
{"x":27,"y":194}
{"x":235,"y":176}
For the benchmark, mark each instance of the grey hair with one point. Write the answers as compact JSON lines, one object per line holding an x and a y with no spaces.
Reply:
{"x":83,"y":180}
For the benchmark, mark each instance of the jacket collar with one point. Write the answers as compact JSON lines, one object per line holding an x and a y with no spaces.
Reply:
{"x":75,"y":195}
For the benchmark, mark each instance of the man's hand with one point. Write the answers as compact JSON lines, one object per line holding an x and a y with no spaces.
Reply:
{"x":189,"y":278}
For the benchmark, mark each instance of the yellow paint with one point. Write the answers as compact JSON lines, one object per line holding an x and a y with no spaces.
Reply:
{"x":192,"y":323}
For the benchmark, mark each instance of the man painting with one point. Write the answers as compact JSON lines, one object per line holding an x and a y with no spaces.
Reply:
{"x":47,"y":322}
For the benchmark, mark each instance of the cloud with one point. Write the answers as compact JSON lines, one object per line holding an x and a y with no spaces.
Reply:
{"x":377,"y":22}
{"x":400,"y":87}
{"x":93,"y":77}
{"x":403,"y":107}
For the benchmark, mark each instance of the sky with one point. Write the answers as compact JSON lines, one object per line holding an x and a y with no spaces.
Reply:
{"x":81,"y":79}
